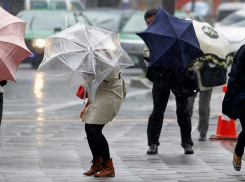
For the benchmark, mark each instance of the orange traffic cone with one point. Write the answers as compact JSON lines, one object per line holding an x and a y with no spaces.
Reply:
{"x":226,"y":128}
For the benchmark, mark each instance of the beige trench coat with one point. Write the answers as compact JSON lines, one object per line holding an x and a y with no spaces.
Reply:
{"x":108,"y":99}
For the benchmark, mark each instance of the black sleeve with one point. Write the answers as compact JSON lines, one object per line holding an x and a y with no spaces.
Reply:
{"x":240,"y":61}
{"x":2,"y":83}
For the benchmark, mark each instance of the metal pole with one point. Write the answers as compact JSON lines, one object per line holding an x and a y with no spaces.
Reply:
{"x":169,"y":6}
{"x":193,"y":5}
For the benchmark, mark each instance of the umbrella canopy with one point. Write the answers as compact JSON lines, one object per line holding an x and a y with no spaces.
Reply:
{"x":85,"y":55}
{"x":212,"y":42}
{"x":172,"y":41}
{"x":13,"y":49}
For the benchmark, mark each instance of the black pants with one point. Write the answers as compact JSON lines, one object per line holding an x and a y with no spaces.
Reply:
{"x":1,"y":107}
{"x":160,"y":92}
{"x":97,"y":142}
{"x":240,"y":108}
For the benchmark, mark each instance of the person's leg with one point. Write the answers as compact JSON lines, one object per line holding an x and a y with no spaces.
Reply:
{"x":97,"y":142}
{"x":204,"y":111}
{"x":239,"y":149}
{"x":184,"y":120}
{"x":93,"y":132}
{"x":1,"y":107}
{"x":191,"y":101}
{"x":160,"y":93}
{"x":100,"y":141}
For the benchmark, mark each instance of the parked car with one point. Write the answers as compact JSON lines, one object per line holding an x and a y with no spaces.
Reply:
{"x":233,"y":27}
{"x":234,"y":34}
{"x":76,"y":5}
{"x":108,"y":19}
{"x":40,"y":27}
{"x":225,"y":9}
{"x":133,"y":44}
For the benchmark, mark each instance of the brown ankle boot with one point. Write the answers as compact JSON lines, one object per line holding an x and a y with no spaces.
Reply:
{"x":107,"y":171}
{"x":96,"y":167}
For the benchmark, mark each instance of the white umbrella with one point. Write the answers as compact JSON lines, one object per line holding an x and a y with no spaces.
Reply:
{"x":85,"y":54}
{"x":212,"y":42}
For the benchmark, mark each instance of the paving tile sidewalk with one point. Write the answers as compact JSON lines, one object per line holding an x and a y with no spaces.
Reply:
{"x":57,"y":151}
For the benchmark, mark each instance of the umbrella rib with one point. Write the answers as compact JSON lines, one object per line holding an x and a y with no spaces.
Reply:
{"x":16,"y":45}
{"x":83,"y":59}
{"x":73,"y":41}
{"x":7,"y":69}
{"x":172,"y":26}
{"x":98,"y":57}
{"x":56,"y":57}
{"x":101,"y":40}
{"x":11,"y":24}
{"x":86,"y":35}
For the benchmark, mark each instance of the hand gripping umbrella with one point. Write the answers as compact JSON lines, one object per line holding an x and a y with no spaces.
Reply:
{"x":172,"y":42}
{"x":13,"y":49}
{"x":85,"y":55}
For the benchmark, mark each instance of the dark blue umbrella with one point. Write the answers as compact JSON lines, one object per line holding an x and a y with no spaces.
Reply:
{"x":172,"y":42}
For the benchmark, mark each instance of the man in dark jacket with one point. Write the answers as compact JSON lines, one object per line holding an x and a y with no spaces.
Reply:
{"x":164,"y":80}
{"x":2,"y":83}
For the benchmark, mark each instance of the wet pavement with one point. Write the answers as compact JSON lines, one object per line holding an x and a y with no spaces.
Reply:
{"x":43,"y":140}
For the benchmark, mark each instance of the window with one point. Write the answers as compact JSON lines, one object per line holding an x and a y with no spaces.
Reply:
{"x":76,"y":6}
{"x":57,"y":5}
{"x":40,"y":22}
{"x":39,"y":4}
{"x":135,"y":24}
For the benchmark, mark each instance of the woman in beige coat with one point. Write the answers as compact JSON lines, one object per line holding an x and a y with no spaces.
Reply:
{"x":108,"y":100}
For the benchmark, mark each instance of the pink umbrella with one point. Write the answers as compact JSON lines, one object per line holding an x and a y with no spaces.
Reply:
{"x":13,"y":49}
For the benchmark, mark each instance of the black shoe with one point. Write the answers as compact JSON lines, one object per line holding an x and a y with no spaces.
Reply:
{"x":188,"y":149}
{"x":153,"y":149}
{"x":202,"y":137}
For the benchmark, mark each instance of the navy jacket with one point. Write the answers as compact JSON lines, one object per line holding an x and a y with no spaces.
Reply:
{"x":236,"y":84}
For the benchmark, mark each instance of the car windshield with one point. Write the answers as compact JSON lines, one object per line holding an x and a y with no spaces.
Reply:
{"x":135,"y":24}
{"x":105,"y":20}
{"x":233,"y":18}
{"x":39,"y":22}
{"x":82,"y":19}
{"x":222,"y":14}
{"x":39,"y":4}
